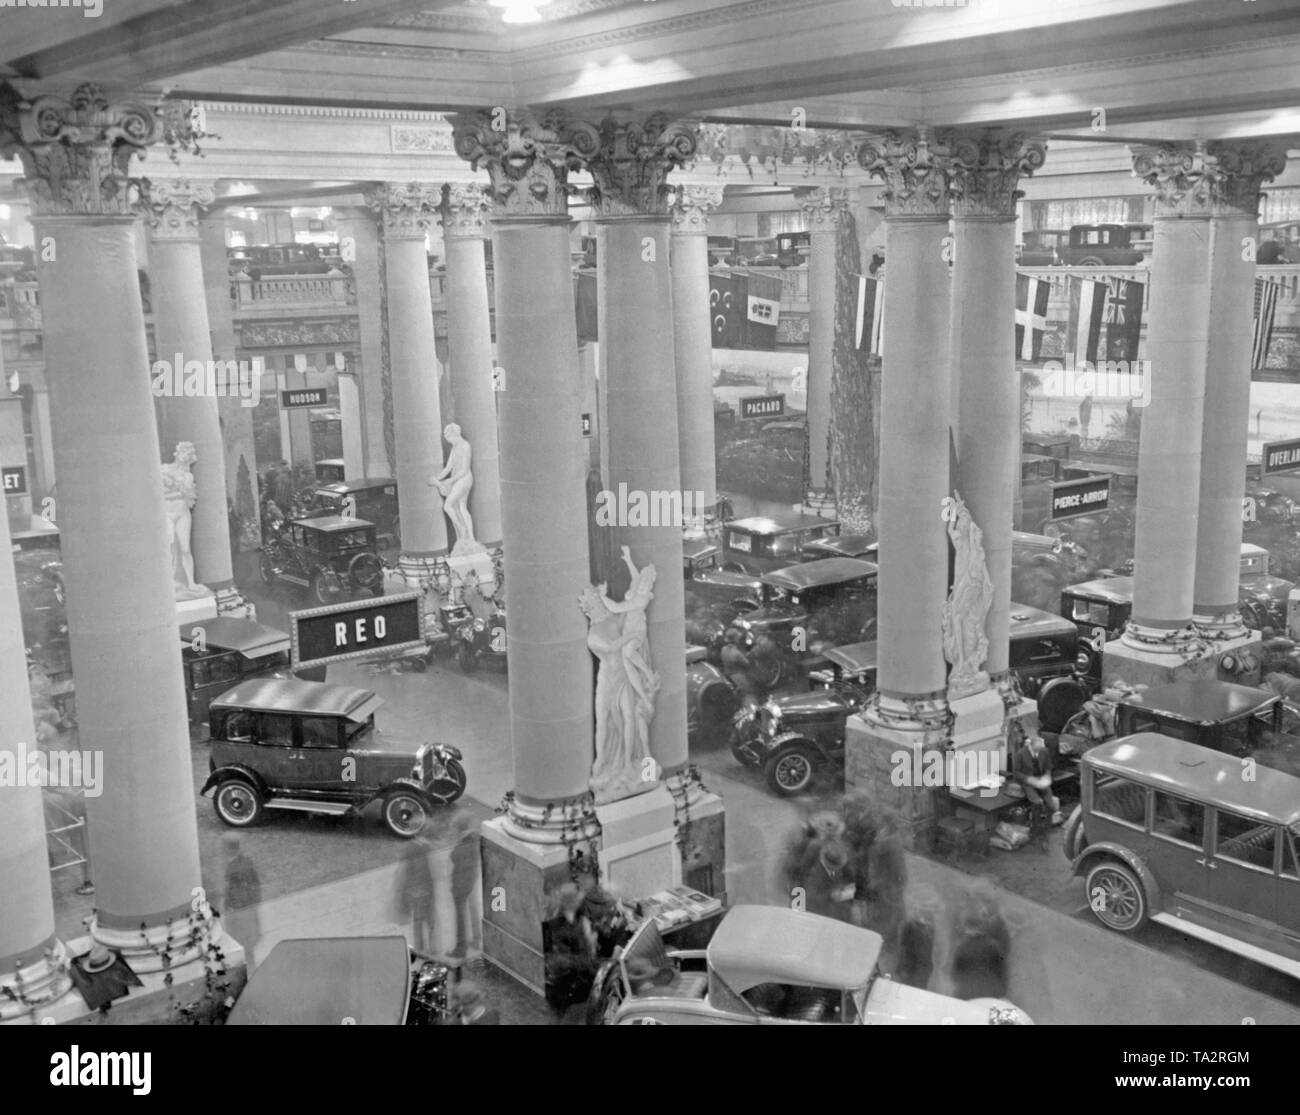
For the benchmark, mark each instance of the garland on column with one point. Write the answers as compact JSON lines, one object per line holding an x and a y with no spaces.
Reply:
{"x":385,"y":363}
{"x":851,"y":455}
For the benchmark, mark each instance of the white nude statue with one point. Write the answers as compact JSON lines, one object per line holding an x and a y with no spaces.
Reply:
{"x":965,"y":644}
{"x":180,"y":493}
{"x":454,"y":483}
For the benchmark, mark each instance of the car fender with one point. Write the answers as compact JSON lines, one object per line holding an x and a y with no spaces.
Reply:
{"x":404,"y":784}
{"x":1086,"y":859}
{"x":235,"y":771}
{"x":794,"y":739}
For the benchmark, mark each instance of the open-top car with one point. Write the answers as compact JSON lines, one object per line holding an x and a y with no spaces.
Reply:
{"x":1171,"y":832}
{"x":218,"y":653}
{"x":281,"y":743}
{"x":345,"y":981}
{"x":330,"y":556}
{"x":768,"y":965}
{"x":762,"y":543}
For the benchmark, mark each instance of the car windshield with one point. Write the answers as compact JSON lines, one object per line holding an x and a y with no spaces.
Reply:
{"x":1083,"y":610}
{"x":1248,"y":731}
{"x":350,"y":538}
{"x":356,"y":731}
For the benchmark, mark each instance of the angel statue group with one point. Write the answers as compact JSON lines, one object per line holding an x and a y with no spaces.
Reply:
{"x":626,"y":684}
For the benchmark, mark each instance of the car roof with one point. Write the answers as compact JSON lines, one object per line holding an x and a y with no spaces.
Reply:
{"x":249,"y":638}
{"x":776,"y":524}
{"x":342,"y":487}
{"x":853,"y":658}
{"x":823,"y":571}
{"x":323,"y":981}
{"x":773,"y":944}
{"x":1211,"y":776}
{"x":698,"y":548}
{"x":331,"y":524}
{"x":1112,"y":590}
{"x":1027,"y":621}
{"x":1206,"y":700}
{"x":850,"y":545}
{"x":298,"y":696}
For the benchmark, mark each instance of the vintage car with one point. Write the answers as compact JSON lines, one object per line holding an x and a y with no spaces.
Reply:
{"x":723,"y":594}
{"x":761,"y":543}
{"x":711,"y":699}
{"x":217,"y":654}
{"x":1041,"y":247}
{"x":372,"y":498}
{"x":1171,"y":832}
{"x":768,"y":965}
{"x":1108,"y":245}
{"x":792,"y":248}
{"x":1262,"y":597}
{"x":809,"y":606}
{"x":330,"y":556}
{"x":475,"y":628}
{"x":331,"y":470}
{"x":792,"y":737}
{"x":346,"y":981}
{"x":281,"y":743}
{"x":862,"y":546}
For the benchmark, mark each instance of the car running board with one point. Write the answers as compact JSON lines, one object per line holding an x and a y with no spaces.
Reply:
{"x":1230,"y":944}
{"x":307,"y":805}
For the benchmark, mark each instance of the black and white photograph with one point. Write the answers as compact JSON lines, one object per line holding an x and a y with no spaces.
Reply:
{"x":368,"y":369}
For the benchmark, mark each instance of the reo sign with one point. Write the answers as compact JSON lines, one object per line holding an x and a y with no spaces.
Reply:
{"x":356,"y":630}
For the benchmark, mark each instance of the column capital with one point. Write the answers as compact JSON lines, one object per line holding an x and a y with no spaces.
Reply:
{"x":1240,"y":169}
{"x":527,"y":158}
{"x":632,"y":162}
{"x":986,"y":168}
{"x":464,"y":210}
{"x":916,"y":169}
{"x":172,"y":208}
{"x":691,"y":206}
{"x":823,"y":206}
{"x":76,"y":152}
{"x":406,"y":210}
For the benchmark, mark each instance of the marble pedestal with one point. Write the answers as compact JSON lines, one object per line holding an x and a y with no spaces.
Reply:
{"x":637,"y":851}
{"x":1120,"y":661}
{"x":978,"y":749}
{"x":459,"y":566}
{"x":198,"y":608}
{"x":881,"y":761}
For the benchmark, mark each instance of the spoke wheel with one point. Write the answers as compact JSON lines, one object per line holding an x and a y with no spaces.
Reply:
{"x":790,"y":771}
{"x":1116,"y":896}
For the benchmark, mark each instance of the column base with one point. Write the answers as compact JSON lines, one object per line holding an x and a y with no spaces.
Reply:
{"x":415,"y":569}
{"x":182,"y":940}
{"x":197,"y":608}
{"x":1225,"y":659}
{"x":1225,"y":624}
{"x":230,"y":602}
{"x":36,"y":985}
{"x":556,"y":822}
{"x":198,"y":990}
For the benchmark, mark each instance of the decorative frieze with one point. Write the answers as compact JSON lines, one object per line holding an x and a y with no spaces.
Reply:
{"x":76,"y":152}
{"x":172,"y":208}
{"x":298,"y":334}
{"x":527,"y":158}
{"x":405,"y":209}
{"x":691,"y":206}
{"x":632,"y":164}
{"x":916,"y":171}
{"x":421,"y":139}
{"x":465,"y":209}
{"x":986,"y":169}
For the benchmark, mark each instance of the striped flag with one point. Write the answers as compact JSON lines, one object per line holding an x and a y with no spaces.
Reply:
{"x":1031,"y":315}
{"x":1265,"y":307}
{"x":1087,"y":308}
{"x":870,"y":315}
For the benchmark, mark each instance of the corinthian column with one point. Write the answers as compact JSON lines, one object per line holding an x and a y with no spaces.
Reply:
{"x":116,"y":557}
{"x":1169,"y":456}
{"x":469,"y":338}
{"x":823,"y":208}
{"x":182,"y":335}
{"x":693,"y":340}
{"x":986,"y":169}
{"x":405,"y":213}
{"x":1237,"y":171}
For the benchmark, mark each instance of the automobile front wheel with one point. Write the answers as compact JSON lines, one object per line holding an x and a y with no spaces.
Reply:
{"x":325,"y":588}
{"x":451,"y":785}
{"x":266,"y":567}
{"x":1116,"y":896}
{"x":790,"y":771}
{"x":237,"y":803}
{"x":405,"y":813}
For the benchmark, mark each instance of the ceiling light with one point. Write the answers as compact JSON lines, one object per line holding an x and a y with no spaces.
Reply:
{"x":519,"y":11}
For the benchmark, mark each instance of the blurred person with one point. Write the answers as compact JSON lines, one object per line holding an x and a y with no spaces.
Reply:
{"x":471,"y":1007}
{"x":571,"y":958}
{"x":283,"y":485}
{"x":981,"y":945}
{"x":464,"y":884}
{"x":828,"y":881}
{"x":243,"y":895}
{"x":604,"y":913}
{"x":415,"y":893}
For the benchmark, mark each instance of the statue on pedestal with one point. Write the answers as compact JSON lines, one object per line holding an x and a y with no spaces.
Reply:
{"x":965,"y":644}
{"x":454,"y":483}
{"x":626,"y":685}
{"x":179,"y":494}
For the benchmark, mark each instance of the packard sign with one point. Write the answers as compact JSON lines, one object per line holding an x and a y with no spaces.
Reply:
{"x":1080,"y":497}
{"x":370,"y":628}
{"x":302,"y":397}
{"x":1281,"y":456}
{"x":762,"y":406}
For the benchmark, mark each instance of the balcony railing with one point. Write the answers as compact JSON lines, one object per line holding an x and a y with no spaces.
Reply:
{"x":794,"y":283}
{"x":286,"y":292}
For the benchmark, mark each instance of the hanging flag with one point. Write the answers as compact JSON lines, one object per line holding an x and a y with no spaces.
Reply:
{"x":870,"y":316}
{"x":1087,"y":306}
{"x":1123,"y":318}
{"x":722,"y":310}
{"x":1031,"y":315}
{"x":1266,"y":293}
